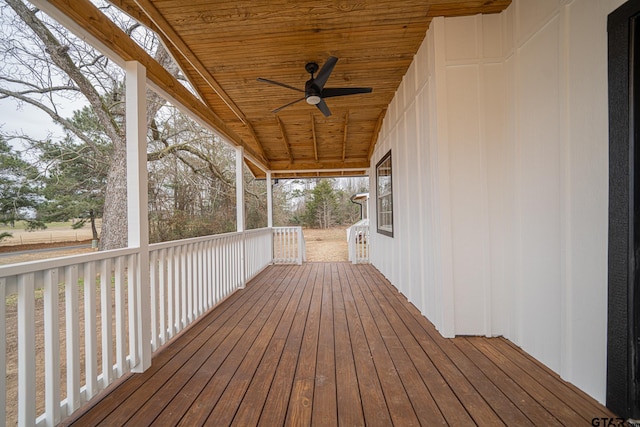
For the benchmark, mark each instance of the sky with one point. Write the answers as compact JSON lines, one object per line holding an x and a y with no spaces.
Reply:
{"x":25,"y":119}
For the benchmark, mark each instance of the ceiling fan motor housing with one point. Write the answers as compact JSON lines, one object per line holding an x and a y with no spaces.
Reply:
{"x":312,"y":92}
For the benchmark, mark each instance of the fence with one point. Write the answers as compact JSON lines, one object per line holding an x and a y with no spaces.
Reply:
{"x":358,"y":238}
{"x":90,"y":304}
{"x":288,"y":245}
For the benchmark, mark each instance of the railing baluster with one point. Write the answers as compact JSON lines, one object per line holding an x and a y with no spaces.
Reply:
{"x":176,"y":289}
{"x":200,"y":267}
{"x":283,"y":244}
{"x":171,"y":276}
{"x":225,"y":265}
{"x":248,"y":254}
{"x":190,"y":277}
{"x":294,"y":245}
{"x":26,"y":350}
{"x":107,"y":315}
{"x":90,"y":336}
{"x":153,"y":296}
{"x":217,"y":270}
{"x":208,"y":275}
{"x":132,"y":303}
{"x":72,"y":338}
{"x":162,"y":277}
{"x":184,"y":253}
{"x":235,"y":260}
{"x":275,"y":245}
{"x":227,"y":260}
{"x":51,"y":347}
{"x":3,"y":350}
{"x":299,"y":256}
{"x":232,"y":271}
{"x":232,"y":259}
{"x":238,"y":262}
{"x":285,"y":249}
{"x":194,"y":283}
{"x":121,"y":366}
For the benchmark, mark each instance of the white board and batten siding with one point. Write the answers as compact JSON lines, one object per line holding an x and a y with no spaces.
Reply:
{"x":499,"y":141}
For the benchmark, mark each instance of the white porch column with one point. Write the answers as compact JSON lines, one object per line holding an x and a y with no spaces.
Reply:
{"x":270,"y":209}
{"x":240,"y":209}
{"x":137,"y":206}
{"x":240,"y":188}
{"x":269,"y":201}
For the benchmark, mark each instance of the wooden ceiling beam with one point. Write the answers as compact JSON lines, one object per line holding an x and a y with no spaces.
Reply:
{"x":322,"y":173}
{"x":344,"y":136}
{"x":89,"y":20}
{"x":263,"y":155}
{"x":287,"y":146}
{"x":315,"y":138}
{"x":300,"y":165}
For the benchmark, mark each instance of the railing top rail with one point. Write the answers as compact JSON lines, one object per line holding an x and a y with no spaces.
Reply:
{"x":46,"y":264}
{"x":174,"y":243}
{"x":181,"y":242}
{"x":265,"y":230}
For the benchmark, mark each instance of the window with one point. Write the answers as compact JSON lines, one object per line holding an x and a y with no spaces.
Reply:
{"x":384,"y":196}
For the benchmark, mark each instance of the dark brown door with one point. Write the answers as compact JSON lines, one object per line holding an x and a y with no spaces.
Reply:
{"x":623,"y":331}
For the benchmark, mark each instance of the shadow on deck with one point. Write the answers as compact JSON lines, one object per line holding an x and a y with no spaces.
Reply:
{"x":335,"y":344}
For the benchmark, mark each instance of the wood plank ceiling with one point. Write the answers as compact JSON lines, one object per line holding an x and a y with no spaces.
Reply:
{"x":223,"y":46}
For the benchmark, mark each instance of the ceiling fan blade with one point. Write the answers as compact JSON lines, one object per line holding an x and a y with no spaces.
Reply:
{"x":271,"y":82}
{"x":325,"y":71}
{"x":286,"y":105}
{"x":322,"y":106}
{"x":342,"y":91}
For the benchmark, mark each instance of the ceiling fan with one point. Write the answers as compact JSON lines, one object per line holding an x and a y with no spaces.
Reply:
{"x":314,"y":90}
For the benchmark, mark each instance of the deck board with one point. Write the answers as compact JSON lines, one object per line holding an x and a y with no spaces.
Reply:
{"x":335,"y":344}
{"x":350,"y":411}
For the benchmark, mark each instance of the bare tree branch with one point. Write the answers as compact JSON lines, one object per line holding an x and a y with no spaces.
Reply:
{"x":53,"y":114}
{"x":60,"y":56}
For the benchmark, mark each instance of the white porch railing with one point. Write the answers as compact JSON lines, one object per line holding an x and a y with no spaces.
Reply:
{"x":358,"y":238}
{"x":89,"y":306}
{"x":288,"y":245}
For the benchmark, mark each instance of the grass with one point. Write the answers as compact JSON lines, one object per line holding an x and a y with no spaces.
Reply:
{"x":22,"y":225}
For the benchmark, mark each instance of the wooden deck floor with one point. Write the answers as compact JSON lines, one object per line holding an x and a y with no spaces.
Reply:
{"x":336,"y":344}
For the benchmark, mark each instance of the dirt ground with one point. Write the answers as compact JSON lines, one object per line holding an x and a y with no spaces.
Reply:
{"x":56,"y":234}
{"x":52,"y":238}
{"x":328,"y":245}
{"x":8,"y":256}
